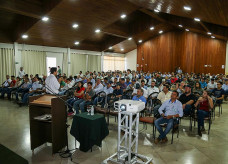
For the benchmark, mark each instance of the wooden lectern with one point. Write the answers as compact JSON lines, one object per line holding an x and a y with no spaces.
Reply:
{"x":53,"y":130}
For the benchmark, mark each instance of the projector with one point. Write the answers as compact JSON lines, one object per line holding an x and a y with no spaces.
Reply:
{"x":129,"y":106}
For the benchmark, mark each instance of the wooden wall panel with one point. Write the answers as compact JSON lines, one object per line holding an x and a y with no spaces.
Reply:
{"x":188,"y":50}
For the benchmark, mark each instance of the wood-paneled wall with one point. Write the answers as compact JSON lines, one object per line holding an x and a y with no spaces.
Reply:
{"x":188,"y":50}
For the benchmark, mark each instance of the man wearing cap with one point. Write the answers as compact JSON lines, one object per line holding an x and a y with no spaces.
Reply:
{"x":132,"y":85}
{"x":187,"y":99}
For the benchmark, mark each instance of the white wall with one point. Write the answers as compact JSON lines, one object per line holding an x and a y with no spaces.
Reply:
{"x":50,"y":52}
{"x":131,"y":60}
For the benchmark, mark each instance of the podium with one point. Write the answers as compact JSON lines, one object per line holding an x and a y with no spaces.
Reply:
{"x":53,"y":130}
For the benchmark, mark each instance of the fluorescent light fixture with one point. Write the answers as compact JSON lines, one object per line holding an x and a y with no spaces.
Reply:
{"x":140,"y":41}
{"x":156,"y":10}
{"x":122,"y":49}
{"x":110,"y":48}
{"x":24,"y":36}
{"x":186,"y":29}
{"x":197,"y":19}
{"x":212,"y":37}
{"x":76,"y":43}
{"x":75,"y":25}
{"x":97,"y":30}
{"x":209,"y":33}
{"x":129,"y":38}
{"x":45,"y":19}
{"x":180,"y":25}
{"x":160,"y":32}
{"x":187,"y":8}
{"x":152,"y":28}
{"x":123,"y":16}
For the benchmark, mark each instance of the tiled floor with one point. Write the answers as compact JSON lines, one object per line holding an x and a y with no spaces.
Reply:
{"x":187,"y":149}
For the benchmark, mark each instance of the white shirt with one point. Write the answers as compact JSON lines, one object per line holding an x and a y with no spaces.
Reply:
{"x":210,"y":85}
{"x":6,"y":84}
{"x":52,"y":85}
{"x":21,"y":73}
{"x":151,"y":90}
{"x":36,"y":85}
{"x":98,"y":88}
{"x":164,"y":97}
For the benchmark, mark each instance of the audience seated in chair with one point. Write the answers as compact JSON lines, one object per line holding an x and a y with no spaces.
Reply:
{"x":139,"y":96}
{"x":77,"y":99}
{"x":204,"y":104}
{"x":218,"y":93}
{"x":7,"y":85}
{"x":169,"y":110}
{"x":187,"y":99}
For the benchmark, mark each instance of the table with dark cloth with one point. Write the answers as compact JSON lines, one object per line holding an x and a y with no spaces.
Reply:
{"x":89,"y":130}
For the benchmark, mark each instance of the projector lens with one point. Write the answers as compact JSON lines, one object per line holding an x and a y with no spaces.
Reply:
{"x":123,"y":107}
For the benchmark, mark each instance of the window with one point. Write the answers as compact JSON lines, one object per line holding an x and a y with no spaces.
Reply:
{"x":113,"y":63}
{"x":51,"y":62}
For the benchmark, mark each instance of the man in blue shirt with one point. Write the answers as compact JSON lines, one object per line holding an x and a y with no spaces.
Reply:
{"x":169,"y":110}
{"x":203,"y":83}
{"x":139,"y":96}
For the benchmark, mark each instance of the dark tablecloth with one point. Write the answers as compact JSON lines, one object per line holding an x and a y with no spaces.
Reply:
{"x":89,"y":130}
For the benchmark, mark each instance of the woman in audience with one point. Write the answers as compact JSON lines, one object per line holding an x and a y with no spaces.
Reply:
{"x":204,"y":104}
{"x":79,"y":93}
{"x":197,"y":90}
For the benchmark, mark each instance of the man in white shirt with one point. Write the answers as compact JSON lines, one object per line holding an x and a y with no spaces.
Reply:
{"x":21,"y":73}
{"x":212,"y":85}
{"x":162,"y":96}
{"x":7,"y":82}
{"x":152,"y":89}
{"x":51,"y":83}
{"x":98,"y":86}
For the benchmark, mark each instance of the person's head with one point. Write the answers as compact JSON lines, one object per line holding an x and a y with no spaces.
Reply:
{"x":68,"y":80}
{"x":18,"y":79}
{"x":198,"y":85}
{"x":205,"y":94}
{"x":89,"y":85}
{"x":105,"y":80}
{"x":12,"y":77}
{"x":127,"y":79}
{"x":35,"y":79}
{"x":152,"y":83}
{"x":187,"y":89}
{"x":212,"y":81}
{"x":174,"y":95}
{"x":115,"y":80}
{"x":109,"y":84}
{"x":60,"y":78}
{"x":26,"y":80}
{"x":226,"y":81}
{"x":122,"y":80}
{"x":118,"y":86}
{"x":58,"y":66}
{"x":98,"y":81}
{"x":133,"y":81}
{"x":166,"y":88}
{"x":142,"y":83}
{"x":7,"y":77}
{"x":219,"y":85}
{"x":53,"y":71}
{"x":202,"y":80}
{"x":139,"y":92}
{"x":80,"y":84}
{"x":80,"y":72}
{"x":21,"y":68}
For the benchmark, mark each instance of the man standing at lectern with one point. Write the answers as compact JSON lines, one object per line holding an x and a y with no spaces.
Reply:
{"x":51,"y":83}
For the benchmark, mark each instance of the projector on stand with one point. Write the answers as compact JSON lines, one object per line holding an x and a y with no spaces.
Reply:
{"x":127,"y":144}
{"x":129,"y":106}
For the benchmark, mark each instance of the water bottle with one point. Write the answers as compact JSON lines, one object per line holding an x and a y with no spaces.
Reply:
{"x":92,"y":111}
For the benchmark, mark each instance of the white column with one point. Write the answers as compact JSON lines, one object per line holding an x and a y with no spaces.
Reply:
{"x":68,"y":62}
{"x":226,"y":64}
{"x":17,"y":58}
{"x":87,"y":57}
{"x":102,"y":61}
